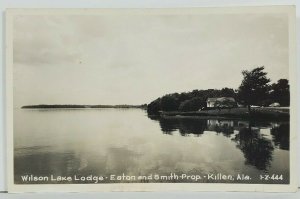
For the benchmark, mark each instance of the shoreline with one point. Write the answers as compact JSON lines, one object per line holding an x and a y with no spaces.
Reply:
{"x":234,"y":113}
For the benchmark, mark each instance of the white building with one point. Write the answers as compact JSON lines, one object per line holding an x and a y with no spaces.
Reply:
{"x":211,"y":102}
{"x":221,"y":102}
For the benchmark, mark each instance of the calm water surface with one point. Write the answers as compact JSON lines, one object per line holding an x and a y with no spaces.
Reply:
{"x":115,"y":141}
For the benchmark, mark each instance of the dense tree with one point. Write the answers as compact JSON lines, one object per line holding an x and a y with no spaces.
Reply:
{"x":170,"y":102}
{"x":254,"y":88}
{"x":193,"y":104}
{"x":281,"y":92}
{"x":154,"y":107}
{"x":227,"y":92}
{"x":187,"y":101}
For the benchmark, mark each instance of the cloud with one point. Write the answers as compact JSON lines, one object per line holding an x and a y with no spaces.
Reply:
{"x":43,"y":40}
{"x":115,"y":59}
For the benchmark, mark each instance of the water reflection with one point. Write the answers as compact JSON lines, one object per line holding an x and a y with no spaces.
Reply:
{"x":256,"y":146}
{"x":281,"y":136}
{"x":257,"y":149}
{"x":45,"y":163}
{"x":112,"y":141}
{"x":185,"y":126}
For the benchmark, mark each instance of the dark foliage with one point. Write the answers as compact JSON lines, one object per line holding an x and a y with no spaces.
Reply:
{"x":254,"y":88}
{"x":187,"y":101}
{"x":193,"y":104}
{"x":281,"y":92}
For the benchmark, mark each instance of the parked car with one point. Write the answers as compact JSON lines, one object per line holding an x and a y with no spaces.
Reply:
{"x":275,"y":104}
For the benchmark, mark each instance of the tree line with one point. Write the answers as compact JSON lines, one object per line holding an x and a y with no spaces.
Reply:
{"x":255,"y":89}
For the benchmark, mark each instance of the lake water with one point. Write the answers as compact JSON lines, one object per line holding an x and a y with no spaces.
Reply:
{"x":104,"y":142}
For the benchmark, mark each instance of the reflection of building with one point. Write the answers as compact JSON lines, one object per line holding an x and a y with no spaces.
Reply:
{"x":216,"y":125}
{"x":224,"y":123}
{"x":213,"y":125}
{"x":221,"y":126}
{"x":221,"y":102}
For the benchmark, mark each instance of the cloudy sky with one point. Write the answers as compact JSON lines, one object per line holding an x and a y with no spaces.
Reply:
{"x":126,"y":59}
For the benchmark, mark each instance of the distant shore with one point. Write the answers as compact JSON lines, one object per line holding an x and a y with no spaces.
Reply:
{"x":49,"y":106}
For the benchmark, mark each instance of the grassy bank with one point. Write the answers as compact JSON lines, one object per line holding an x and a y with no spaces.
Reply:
{"x":256,"y":113}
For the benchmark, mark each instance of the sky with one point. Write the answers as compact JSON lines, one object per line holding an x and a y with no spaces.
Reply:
{"x":134,"y":59}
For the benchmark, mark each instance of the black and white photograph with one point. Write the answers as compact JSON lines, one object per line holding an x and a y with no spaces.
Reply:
{"x":151,"y":99}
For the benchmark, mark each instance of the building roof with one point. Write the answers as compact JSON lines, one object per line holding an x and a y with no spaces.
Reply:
{"x":211,"y":99}
{"x":220,"y":99}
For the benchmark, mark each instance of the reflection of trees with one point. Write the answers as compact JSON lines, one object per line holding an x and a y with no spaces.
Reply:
{"x":168,"y":125}
{"x":259,"y":123}
{"x":281,"y":136}
{"x":257,"y":150}
{"x":192,"y":126}
{"x":184,"y":125}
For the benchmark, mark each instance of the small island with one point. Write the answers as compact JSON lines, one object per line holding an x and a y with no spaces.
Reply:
{"x":74,"y":106}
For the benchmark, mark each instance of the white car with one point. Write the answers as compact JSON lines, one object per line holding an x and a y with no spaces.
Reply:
{"x":276,"y":104}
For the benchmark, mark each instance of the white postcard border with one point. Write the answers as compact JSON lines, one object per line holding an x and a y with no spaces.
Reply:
{"x":292,"y":187}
